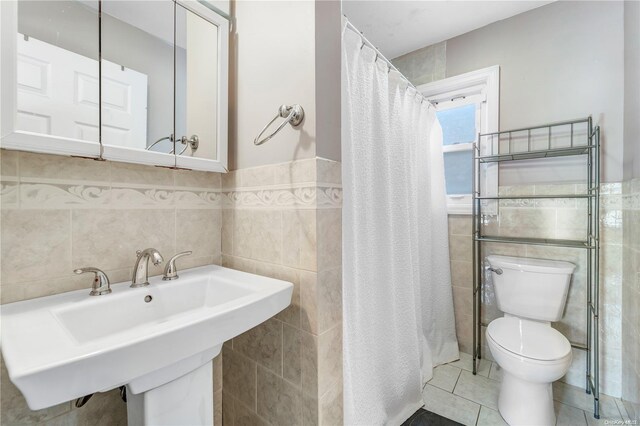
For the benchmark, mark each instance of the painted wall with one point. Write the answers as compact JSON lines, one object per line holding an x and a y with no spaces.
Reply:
{"x":328,"y":79}
{"x":272,"y":62}
{"x":280,"y":54}
{"x":554,"y":66}
{"x":557,"y":63}
{"x":631,"y":89}
{"x":424,"y":65}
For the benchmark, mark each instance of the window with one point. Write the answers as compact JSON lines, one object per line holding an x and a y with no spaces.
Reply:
{"x":459,"y":124}
{"x":465,"y":106}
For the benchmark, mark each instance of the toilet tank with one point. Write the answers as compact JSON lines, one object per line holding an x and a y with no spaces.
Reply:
{"x":531,"y":288}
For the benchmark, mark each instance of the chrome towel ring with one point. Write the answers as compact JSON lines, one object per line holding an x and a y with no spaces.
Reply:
{"x":293,"y":114}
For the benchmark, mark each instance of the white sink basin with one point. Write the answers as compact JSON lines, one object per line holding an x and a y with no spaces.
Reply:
{"x":62,"y":347}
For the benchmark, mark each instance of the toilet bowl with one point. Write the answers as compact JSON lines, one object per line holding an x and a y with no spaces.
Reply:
{"x":532,"y":293}
{"x":532,"y":356}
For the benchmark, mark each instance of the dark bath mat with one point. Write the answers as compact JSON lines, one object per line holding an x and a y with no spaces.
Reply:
{"x":423,"y":417}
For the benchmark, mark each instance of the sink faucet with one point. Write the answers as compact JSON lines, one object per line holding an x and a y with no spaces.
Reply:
{"x":100,"y":283}
{"x":141,"y":268}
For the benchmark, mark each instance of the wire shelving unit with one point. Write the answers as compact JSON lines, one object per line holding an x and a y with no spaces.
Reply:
{"x":505,"y":150}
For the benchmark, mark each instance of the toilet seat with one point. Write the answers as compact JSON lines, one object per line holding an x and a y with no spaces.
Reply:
{"x":529,"y":339}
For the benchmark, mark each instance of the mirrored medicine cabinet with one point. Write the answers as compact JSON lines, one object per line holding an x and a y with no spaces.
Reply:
{"x":135,"y":81}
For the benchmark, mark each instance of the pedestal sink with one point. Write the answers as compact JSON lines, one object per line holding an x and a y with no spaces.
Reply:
{"x":159,"y":341}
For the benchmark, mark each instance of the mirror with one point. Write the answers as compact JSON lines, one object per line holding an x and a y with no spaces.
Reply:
{"x":57,"y":69}
{"x":117,"y":80}
{"x":138,"y":76}
{"x":196,"y":85}
{"x":202,"y":38}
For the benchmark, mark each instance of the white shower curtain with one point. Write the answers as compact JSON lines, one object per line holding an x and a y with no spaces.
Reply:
{"x":397,"y":301}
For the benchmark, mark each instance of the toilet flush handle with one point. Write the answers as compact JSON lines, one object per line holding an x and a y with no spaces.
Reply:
{"x":496,"y":270}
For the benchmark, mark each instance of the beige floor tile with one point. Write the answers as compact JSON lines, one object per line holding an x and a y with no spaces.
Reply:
{"x":622,"y":409}
{"x":577,"y":397}
{"x":445,"y":377}
{"x":478,"y":389}
{"x":450,"y":406}
{"x":496,"y":372}
{"x":466,"y":363}
{"x":567,"y":415}
{"x":603,"y":420}
{"x":489,"y":417}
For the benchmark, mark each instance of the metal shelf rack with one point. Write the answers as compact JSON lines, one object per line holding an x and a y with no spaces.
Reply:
{"x":592,"y":243}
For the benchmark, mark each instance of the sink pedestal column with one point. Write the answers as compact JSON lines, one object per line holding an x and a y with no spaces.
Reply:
{"x":187,"y":400}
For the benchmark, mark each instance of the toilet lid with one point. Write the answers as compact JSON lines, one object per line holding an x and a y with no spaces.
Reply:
{"x":529,"y":339}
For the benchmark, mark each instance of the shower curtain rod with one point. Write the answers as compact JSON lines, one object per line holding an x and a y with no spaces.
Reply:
{"x":384,"y":58}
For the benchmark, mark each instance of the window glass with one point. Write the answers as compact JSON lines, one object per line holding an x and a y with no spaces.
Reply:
{"x":458,"y":124}
{"x":457,"y":172}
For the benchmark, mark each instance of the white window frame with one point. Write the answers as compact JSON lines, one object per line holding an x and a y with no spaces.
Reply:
{"x":479,"y":87}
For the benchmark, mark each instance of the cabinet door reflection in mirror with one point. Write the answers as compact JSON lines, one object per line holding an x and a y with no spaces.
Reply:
{"x":197,"y":62}
{"x":196,"y":80}
{"x":57,"y":71}
{"x":138,"y":79}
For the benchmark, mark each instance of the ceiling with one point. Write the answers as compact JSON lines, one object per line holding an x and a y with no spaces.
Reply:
{"x":397,"y":27}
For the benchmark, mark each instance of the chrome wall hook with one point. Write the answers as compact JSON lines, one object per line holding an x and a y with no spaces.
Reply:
{"x":292,"y":114}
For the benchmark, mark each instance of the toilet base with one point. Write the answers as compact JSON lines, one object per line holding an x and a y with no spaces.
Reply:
{"x":526,"y":403}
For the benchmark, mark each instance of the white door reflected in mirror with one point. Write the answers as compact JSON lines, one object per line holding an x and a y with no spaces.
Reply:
{"x":57,"y":76}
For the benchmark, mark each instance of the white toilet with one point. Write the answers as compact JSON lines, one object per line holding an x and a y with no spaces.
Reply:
{"x":531,"y":293}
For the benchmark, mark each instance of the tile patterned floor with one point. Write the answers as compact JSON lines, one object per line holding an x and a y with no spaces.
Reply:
{"x":455,"y":393}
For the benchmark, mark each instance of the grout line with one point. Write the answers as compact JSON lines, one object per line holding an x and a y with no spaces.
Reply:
{"x":279,"y":264}
{"x":462,"y":397}
{"x":71,"y":267}
{"x":255,"y":408}
{"x":456,"y":384}
{"x":617,"y":407}
{"x":584,"y":414}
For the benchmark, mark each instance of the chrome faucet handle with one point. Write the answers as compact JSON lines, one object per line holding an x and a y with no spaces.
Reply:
{"x":101,"y":284}
{"x":170,"y":271}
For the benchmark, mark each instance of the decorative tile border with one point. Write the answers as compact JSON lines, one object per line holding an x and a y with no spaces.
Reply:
{"x":281,"y":186}
{"x":8,"y":194}
{"x":307,"y":197}
{"x":303,"y":184}
{"x":46,"y":196}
